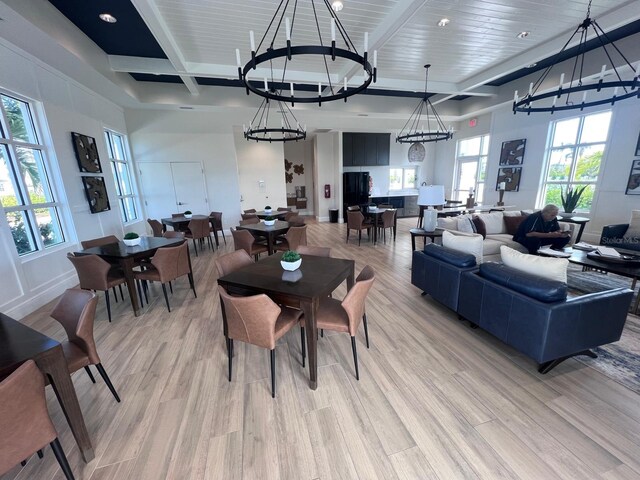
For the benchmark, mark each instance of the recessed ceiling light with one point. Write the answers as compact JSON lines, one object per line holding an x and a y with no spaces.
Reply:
{"x":337,"y":5}
{"x":531,"y":65}
{"x":443,"y":22}
{"x":107,"y":17}
{"x":523,"y":34}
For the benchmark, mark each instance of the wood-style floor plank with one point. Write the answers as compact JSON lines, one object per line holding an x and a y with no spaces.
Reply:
{"x":436,"y":399}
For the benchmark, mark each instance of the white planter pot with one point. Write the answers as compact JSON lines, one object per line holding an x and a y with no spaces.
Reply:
{"x":270,"y":223}
{"x":268,"y":211}
{"x":567,"y":214}
{"x":188,"y":215}
{"x":291,"y":266}
{"x":132,"y":243}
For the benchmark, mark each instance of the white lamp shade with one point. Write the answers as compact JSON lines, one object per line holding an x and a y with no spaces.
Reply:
{"x":431,"y":195}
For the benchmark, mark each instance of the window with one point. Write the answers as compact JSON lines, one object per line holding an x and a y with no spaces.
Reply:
{"x":403,"y":178}
{"x":116,"y":145}
{"x":28,"y":201}
{"x":471,"y":167}
{"x":574,"y":156}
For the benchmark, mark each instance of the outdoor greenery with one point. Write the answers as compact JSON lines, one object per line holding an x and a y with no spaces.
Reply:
{"x":587,"y":169}
{"x":571,"y":197}
{"x":290,"y":256}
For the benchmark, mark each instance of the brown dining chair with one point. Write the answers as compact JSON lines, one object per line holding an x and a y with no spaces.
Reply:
{"x":313,"y":250}
{"x":199,"y":230}
{"x":385,"y":205}
{"x":250,"y":210}
{"x":246,"y":216}
{"x":284,"y":209}
{"x":173,"y":234}
{"x":156,"y":227}
{"x":353,"y":208}
{"x":166,"y":265}
{"x":290,"y":215}
{"x":388,"y":220}
{"x":294,"y":237}
{"x":231,"y":262}
{"x":250,"y":221}
{"x":242,"y":239}
{"x":98,"y":242}
{"x":24,"y":420}
{"x":296,"y":221}
{"x":259,"y":321}
{"x":216,"y":224}
{"x":346,"y":315}
{"x":76,"y":311}
{"x":95,"y":273}
{"x":177,"y":215}
{"x":356,"y":221}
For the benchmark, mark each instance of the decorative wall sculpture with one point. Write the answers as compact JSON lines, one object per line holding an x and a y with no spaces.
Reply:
{"x":511,"y":178}
{"x":512,"y":152}
{"x":86,"y":153}
{"x":96,"y":192}
{"x":633,"y":184}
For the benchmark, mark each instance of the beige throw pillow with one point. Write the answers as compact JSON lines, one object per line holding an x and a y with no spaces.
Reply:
{"x":633,"y":232}
{"x":468,"y":243}
{"x":545,"y":267}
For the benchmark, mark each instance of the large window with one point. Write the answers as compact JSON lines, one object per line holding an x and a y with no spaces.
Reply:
{"x":116,"y":145}
{"x":28,"y":201}
{"x":471,"y":167}
{"x":403,"y":178}
{"x":574,"y":155}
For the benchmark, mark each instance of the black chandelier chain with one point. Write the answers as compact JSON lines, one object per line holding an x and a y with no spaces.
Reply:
{"x":260,"y":131}
{"x":531,"y":102}
{"x":411,"y":133}
{"x":285,"y":90}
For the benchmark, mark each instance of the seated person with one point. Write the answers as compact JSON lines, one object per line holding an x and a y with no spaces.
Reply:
{"x":542,"y":228}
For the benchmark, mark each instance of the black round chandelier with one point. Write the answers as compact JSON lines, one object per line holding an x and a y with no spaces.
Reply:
{"x":277,"y":54}
{"x":261,"y":127}
{"x":414,"y":132}
{"x":616,"y":90}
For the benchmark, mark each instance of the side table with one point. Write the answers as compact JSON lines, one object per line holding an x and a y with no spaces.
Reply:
{"x":421,"y":232}
{"x":582,"y":221}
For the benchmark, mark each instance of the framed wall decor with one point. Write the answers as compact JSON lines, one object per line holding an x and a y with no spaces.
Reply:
{"x":86,"y":153}
{"x":638,"y":147}
{"x":511,"y":178}
{"x":96,"y":192}
{"x":512,"y":152}
{"x":633,"y":184}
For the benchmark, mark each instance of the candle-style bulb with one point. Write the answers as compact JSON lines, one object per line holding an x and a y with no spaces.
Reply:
{"x":366,"y":41}
{"x":604,"y":67}
{"x":291,"y":86}
{"x":561,"y":79}
{"x":266,"y":85}
{"x":345,"y":84}
{"x":375,"y":59}
{"x":515,"y":96}
{"x":238,"y":58}
{"x":333,"y":29}
{"x":319,"y":88}
{"x":530,"y":88}
{"x":252,"y":40}
{"x":288,"y":28}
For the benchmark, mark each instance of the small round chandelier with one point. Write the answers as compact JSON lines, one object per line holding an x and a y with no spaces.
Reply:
{"x":278,"y":55}
{"x":615,"y":90}
{"x":261,"y":130}
{"x":414,"y":132}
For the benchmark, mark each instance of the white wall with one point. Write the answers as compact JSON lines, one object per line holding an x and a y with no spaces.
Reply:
{"x":327,"y":171}
{"x":301,"y":153}
{"x":31,"y":281}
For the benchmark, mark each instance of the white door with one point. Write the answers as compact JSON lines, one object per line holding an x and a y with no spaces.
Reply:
{"x":157,"y":186}
{"x":188,"y":182}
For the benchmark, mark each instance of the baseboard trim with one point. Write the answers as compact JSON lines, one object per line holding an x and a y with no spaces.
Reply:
{"x":47,"y":292}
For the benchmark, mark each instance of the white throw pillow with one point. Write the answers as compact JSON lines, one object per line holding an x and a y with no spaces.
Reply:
{"x":464,"y":243}
{"x":545,"y":267}
{"x":493,"y":222}
{"x":465,"y":224}
{"x":633,"y":232}
{"x":448,"y":223}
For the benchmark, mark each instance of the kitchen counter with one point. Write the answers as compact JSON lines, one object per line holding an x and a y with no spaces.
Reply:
{"x":406,"y":204}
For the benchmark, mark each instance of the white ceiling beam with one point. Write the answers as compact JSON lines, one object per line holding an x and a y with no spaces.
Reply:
{"x":155,"y":66}
{"x":150,"y":13}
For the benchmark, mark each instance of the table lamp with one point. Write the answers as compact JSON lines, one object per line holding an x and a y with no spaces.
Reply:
{"x":430,"y":195}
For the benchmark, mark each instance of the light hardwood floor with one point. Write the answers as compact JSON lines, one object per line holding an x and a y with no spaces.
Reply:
{"x":436,"y":399}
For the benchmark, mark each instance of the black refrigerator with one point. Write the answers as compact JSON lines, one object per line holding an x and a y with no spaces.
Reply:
{"x":355,"y":190}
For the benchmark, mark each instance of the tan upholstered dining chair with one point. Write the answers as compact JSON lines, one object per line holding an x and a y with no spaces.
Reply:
{"x":313,"y":250}
{"x":294,"y":237}
{"x":76,"y":311}
{"x":250,"y":221}
{"x":388,"y":220}
{"x":97,"y":274}
{"x":24,"y":420}
{"x":257,"y":320}
{"x":242,"y":239}
{"x":355,"y":221}
{"x":346,"y":315}
{"x":250,"y":210}
{"x":98,"y":242}
{"x":166,"y":265}
{"x":246,"y":216}
{"x":232,"y":261}
{"x":173,"y":234}
{"x":199,"y":230}
{"x":156,"y":227}
{"x":216,"y":224}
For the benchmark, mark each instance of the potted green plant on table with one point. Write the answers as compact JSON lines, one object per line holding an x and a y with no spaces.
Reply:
{"x":131,"y":239}
{"x":291,"y":260}
{"x":188,"y":214}
{"x":267,"y":209}
{"x":270,"y":220}
{"x":570,"y":200}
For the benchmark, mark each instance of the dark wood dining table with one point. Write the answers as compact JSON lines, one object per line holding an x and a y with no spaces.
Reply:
{"x":181,"y":223}
{"x":126,"y":257}
{"x":274,"y":213}
{"x":376,"y":215}
{"x":319,"y":277}
{"x":19,"y":343}
{"x":270,"y":232}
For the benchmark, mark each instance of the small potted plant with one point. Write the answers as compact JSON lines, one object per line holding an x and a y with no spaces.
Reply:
{"x":188,"y":214}
{"x":291,"y":260}
{"x":267,"y":209}
{"x":131,"y":239}
{"x":270,"y":220}
{"x":570,"y":200}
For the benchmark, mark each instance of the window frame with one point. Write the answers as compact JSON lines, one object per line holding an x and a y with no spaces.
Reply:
{"x":460,"y":159}
{"x":109,"y":133}
{"x":19,"y":184}
{"x":404,"y":169}
{"x":575,"y":148}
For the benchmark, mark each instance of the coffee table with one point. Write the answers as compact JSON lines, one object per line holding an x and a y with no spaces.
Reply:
{"x":631,"y":270}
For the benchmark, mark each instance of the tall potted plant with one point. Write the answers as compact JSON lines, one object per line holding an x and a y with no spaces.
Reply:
{"x":570,"y":199}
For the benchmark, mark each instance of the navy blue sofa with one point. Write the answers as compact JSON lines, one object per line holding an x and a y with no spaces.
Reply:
{"x":437,"y":271}
{"x":612,"y":236}
{"x":534,"y":315}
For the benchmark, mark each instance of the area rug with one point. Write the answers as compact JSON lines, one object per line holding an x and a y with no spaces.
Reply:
{"x":619,"y":361}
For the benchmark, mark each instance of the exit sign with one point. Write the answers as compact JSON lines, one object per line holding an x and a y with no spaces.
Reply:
{"x":473,"y":122}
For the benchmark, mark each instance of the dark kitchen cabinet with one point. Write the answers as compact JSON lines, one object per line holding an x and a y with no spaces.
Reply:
{"x":365,"y":149}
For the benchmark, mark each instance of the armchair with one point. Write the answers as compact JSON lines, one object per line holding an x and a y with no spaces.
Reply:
{"x":612,"y":236}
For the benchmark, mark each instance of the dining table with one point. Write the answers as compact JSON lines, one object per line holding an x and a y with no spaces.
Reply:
{"x":316,"y":278}
{"x":19,"y":343}
{"x":375,"y":214}
{"x":270,"y":232}
{"x":126,"y":257}
{"x":181,"y":223}
{"x":278,"y":215}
